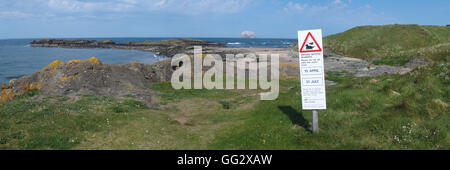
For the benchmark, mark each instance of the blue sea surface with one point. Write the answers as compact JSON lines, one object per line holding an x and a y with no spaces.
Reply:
{"x":18,"y":58}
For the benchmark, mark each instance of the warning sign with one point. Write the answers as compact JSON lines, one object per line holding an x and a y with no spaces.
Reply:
{"x":312,"y":76}
{"x":310,"y":44}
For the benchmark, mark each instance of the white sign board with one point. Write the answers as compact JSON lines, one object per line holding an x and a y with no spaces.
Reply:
{"x":311,"y":69}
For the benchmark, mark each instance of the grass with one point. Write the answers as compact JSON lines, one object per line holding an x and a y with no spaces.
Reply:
{"x":55,"y":125}
{"x":360,"y":115}
{"x":393,"y":61}
{"x":388,"y":112}
{"x":225,"y":104}
{"x":387,"y":40}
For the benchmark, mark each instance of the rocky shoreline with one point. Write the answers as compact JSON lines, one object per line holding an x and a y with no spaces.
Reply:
{"x":334,"y":64}
{"x":96,"y":78}
{"x":167,"y":48}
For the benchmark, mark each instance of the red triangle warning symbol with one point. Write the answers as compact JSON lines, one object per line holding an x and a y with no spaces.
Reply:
{"x":310,"y":44}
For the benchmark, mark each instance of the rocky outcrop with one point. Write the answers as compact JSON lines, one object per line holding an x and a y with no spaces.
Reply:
{"x":168,"y":47}
{"x":91,"y":77}
{"x":362,"y":68}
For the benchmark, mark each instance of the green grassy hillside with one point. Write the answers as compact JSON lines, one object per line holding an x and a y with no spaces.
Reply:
{"x":408,"y":111}
{"x":392,"y":44}
{"x":389,"y":112}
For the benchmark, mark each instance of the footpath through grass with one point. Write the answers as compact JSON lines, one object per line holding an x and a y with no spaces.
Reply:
{"x":389,"y":112}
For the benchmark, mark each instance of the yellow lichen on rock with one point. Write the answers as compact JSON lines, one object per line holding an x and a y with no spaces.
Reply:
{"x":74,"y":61}
{"x":3,"y":95}
{"x":293,"y":65}
{"x":135,"y":62}
{"x":131,"y":88}
{"x":33,"y":86}
{"x":64,"y":78}
{"x":7,"y":94}
{"x":94,"y":60}
{"x":53,"y":65}
{"x":283,"y":64}
{"x":77,"y":61}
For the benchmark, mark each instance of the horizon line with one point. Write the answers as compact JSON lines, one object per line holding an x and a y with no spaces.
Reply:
{"x":175,"y":37}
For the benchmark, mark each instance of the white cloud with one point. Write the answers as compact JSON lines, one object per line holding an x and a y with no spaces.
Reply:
{"x":319,"y":8}
{"x":295,"y":7}
{"x":339,"y":11}
{"x":116,"y":8}
{"x":316,"y":8}
{"x":173,"y":6}
{"x":337,"y":2}
{"x":197,"y":6}
{"x":160,"y":3}
{"x":306,"y":8}
{"x":13,"y":14}
{"x":81,"y":6}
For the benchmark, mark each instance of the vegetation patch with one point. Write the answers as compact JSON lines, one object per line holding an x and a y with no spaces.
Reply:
{"x":393,"y":61}
{"x":391,"y":41}
{"x":225,"y":104}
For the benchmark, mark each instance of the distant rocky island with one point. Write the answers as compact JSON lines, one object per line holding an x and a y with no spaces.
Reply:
{"x":168,"y":47}
{"x":248,"y":34}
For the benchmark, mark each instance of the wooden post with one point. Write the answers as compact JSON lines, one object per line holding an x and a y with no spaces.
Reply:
{"x":315,"y":121}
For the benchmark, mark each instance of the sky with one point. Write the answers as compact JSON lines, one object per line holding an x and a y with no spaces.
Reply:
{"x":207,"y":18}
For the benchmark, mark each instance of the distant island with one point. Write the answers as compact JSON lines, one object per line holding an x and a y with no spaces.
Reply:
{"x":168,"y":47}
{"x":248,"y":34}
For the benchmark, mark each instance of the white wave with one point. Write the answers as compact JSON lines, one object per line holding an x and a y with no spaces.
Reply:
{"x":234,"y":43}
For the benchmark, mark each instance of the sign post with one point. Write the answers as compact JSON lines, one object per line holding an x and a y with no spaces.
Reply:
{"x":315,"y":120}
{"x":312,"y":77}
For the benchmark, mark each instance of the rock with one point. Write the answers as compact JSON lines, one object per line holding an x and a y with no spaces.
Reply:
{"x":248,"y":34}
{"x":108,"y":42}
{"x":415,"y":62}
{"x":7,"y":94}
{"x":381,"y":70}
{"x":91,"y":77}
{"x":395,"y":93}
{"x":330,"y":83}
{"x":373,"y":81}
{"x":293,"y":53}
{"x":344,"y":63}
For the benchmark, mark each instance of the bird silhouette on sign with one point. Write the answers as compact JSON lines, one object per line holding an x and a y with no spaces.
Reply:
{"x":310,"y":45}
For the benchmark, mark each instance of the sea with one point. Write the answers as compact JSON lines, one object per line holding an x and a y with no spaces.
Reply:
{"x":18,"y":58}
